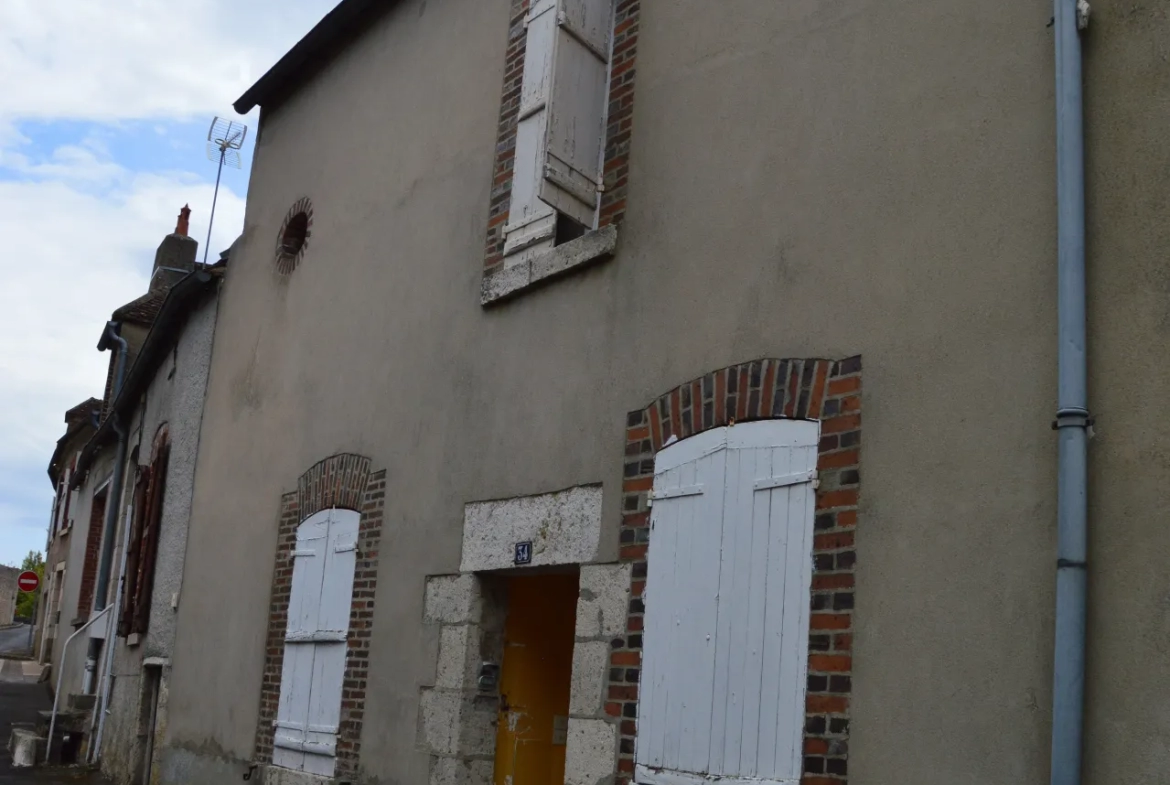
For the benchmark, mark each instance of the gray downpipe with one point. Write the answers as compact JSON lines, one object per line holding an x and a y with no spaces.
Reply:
{"x":1072,"y":416}
{"x":95,"y":749}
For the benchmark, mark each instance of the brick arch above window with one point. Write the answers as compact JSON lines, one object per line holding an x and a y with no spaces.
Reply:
{"x":803,"y":388}
{"x":338,"y":481}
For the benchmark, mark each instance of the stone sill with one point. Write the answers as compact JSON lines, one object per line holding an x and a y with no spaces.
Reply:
{"x":594,"y":246}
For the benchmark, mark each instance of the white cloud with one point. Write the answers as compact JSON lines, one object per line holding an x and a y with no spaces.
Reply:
{"x":111,"y":60}
{"x":79,"y":227}
{"x":70,"y":258}
{"x":79,"y":235}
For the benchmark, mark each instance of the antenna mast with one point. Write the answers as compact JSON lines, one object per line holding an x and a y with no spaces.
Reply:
{"x":224,"y":140}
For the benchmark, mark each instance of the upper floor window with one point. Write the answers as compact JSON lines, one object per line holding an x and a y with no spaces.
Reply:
{"x":145,"y":523}
{"x":560,"y":128}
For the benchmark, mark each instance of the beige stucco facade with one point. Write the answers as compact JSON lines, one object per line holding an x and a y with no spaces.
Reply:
{"x":8,"y":594}
{"x":807,"y":179}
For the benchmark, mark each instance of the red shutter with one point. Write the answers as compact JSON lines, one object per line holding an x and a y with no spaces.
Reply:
{"x":149,"y":547}
{"x":128,"y":590}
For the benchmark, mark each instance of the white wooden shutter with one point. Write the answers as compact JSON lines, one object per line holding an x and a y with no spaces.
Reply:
{"x":61,"y":509}
{"x":330,"y":644}
{"x":727,"y":594}
{"x":315,"y":642}
{"x":557,"y":164}
{"x":296,"y":677}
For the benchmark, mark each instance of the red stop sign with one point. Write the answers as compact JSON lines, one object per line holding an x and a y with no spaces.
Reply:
{"x":28,"y":581}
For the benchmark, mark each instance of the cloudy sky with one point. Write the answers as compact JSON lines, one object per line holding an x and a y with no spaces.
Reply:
{"x":104,"y":113}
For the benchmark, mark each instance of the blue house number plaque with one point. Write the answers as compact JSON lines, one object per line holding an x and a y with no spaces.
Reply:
{"x":523,"y":552}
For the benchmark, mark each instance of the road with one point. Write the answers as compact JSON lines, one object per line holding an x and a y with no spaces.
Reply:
{"x":15,"y":640}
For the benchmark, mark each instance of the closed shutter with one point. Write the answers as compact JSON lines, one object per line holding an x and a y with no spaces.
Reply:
{"x":559,"y":130}
{"x":309,"y":713}
{"x":61,"y":513}
{"x":137,"y":516}
{"x":727,"y":595}
{"x":148,"y":547}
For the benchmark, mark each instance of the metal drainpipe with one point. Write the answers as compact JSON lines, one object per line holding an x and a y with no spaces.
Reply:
{"x":95,"y":749}
{"x":1072,"y":416}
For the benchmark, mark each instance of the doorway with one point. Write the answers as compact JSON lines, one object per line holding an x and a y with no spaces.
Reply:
{"x":148,"y":719}
{"x":535,"y":679}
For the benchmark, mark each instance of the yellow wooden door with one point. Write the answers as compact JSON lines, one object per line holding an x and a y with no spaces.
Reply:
{"x":534,"y":680}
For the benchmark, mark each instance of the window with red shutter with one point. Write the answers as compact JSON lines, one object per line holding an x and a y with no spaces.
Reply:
{"x":136,"y":522}
{"x":146,"y":521}
{"x":148,"y":548}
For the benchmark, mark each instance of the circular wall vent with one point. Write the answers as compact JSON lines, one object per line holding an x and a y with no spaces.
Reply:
{"x":293,"y":239}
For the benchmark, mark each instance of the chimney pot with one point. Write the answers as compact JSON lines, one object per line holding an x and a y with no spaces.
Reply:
{"x":182,"y":227}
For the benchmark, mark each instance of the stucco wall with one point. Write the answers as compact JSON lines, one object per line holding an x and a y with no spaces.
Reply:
{"x":174,"y":398}
{"x":8,"y":593}
{"x":72,"y":667}
{"x":807,"y":179}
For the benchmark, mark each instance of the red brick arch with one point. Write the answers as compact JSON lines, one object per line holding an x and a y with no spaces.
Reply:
{"x":340,"y":481}
{"x":810,"y":389}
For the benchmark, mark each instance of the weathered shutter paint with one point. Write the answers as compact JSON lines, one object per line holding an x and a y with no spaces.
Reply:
{"x":727,"y":593}
{"x":309,"y":712}
{"x":576,"y":107}
{"x":144,"y":584}
{"x":559,"y":127}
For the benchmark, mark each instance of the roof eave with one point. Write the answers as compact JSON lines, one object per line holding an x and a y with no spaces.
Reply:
{"x":179,"y":301}
{"x":311,"y":52}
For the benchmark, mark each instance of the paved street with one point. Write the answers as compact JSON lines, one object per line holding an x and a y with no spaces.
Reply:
{"x":21,"y":697}
{"x":14,"y":640}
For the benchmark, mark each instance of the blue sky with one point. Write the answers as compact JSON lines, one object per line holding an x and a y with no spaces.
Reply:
{"x":103,"y":125}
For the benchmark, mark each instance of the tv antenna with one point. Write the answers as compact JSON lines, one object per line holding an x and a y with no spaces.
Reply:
{"x":224,"y":140}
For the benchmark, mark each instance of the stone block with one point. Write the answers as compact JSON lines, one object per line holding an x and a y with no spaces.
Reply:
{"x":453,"y":599}
{"x":564,"y":528}
{"x":458,"y":657}
{"x":438,"y":721}
{"x":457,"y":723}
{"x":603,"y":606}
{"x":591,"y":752}
{"x":456,"y":771}
{"x":590,"y":675}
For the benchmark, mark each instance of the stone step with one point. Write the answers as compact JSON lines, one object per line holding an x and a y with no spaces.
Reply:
{"x":67,"y":722}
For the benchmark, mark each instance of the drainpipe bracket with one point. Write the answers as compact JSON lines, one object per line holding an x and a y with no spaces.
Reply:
{"x":1083,"y":11}
{"x":1072,"y":417}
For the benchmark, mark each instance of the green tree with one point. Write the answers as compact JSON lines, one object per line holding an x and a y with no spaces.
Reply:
{"x":35,"y":561}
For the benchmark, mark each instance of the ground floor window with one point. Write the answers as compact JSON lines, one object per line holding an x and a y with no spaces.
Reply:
{"x":727,"y":606}
{"x":309,"y":713}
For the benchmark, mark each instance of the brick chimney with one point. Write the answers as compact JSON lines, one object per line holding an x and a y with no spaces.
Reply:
{"x":176,"y":254}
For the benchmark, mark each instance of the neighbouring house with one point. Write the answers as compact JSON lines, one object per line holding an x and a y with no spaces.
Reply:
{"x":80,"y":424}
{"x":533,"y":449}
{"x":8,"y":594}
{"x":124,"y":562}
{"x":160,"y":405}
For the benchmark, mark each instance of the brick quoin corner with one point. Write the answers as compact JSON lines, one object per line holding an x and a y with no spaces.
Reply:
{"x":809,"y":389}
{"x":619,"y":123}
{"x":344,"y":482}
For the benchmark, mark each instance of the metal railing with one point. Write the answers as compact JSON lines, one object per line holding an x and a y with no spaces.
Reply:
{"x":61,"y":674}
